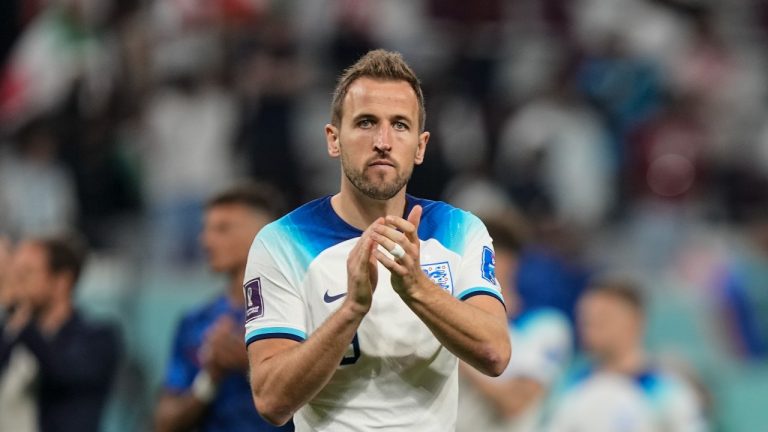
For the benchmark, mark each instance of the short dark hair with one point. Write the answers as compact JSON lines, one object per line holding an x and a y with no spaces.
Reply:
{"x":621,"y":288}
{"x":252,"y":194}
{"x":382,"y":65}
{"x":65,"y":253}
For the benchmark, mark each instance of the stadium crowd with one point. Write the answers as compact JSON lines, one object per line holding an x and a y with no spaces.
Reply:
{"x":614,"y":136}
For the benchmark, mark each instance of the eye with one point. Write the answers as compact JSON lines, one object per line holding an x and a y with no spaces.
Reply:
{"x":365,"y":123}
{"x":401,"y":126}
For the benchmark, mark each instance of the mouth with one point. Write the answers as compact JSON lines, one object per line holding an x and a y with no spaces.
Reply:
{"x":381,"y":162}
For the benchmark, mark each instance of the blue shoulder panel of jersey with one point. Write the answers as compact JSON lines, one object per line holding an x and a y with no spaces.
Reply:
{"x":655,"y":384}
{"x":447,"y":224}
{"x":305,"y":232}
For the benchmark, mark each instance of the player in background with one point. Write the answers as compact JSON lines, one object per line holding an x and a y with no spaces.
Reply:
{"x":622,"y":389}
{"x":74,"y":359}
{"x":206,"y":387}
{"x":361,"y":302}
{"x":543,"y":343}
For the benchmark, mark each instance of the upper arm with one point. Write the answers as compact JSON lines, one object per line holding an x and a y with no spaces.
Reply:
{"x":490,"y":305}
{"x":477,"y":274}
{"x":275,"y":308}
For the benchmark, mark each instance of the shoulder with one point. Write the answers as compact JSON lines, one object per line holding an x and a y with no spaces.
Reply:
{"x":98,"y":334}
{"x":449,"y":225}
{"x":297,"y":238}
{"x":197,"y":319}
{"x":665,"y":388}
{"x":544,"y":321}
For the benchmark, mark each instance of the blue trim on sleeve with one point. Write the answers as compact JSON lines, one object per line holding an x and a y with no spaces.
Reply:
{"x":481,"y":291}
{"x":275,"y":333}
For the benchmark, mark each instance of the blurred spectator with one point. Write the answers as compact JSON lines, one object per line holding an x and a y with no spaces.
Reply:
{"x":552,"y":271}
{"x":269,"y":81}
{"x":17,"y":366}
{"x":622,"y":389}
{"x":625,"y":89}
{"x":556,"y":147}
{"x":63,"y":45}
{"x":541,"y":341}
{"x":75,"y":360}
{"x":37,"y":193}
{"x":190,"y":125}
{"x":666,"y":158}
{"x":206,"y":387}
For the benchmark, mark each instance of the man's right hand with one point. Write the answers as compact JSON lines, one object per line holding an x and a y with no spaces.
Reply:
{"x":362,"y":272}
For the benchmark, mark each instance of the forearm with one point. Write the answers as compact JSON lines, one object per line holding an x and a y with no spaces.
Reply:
{"x":479,"y":338}
{"x":288,"y":380}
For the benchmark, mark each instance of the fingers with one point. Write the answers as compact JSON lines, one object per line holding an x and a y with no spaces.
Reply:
{"x":391,"y":264}
{"x":390,"y":238}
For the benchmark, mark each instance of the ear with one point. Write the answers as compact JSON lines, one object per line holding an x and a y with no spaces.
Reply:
{"x":422,"y":147}
{"x":64,"y":284}
{"x":332,"y":140}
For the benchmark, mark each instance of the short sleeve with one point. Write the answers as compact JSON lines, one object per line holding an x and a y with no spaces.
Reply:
{"x":477,"y":273}
{"x":181,"y":368}
{"x":274,"y":307}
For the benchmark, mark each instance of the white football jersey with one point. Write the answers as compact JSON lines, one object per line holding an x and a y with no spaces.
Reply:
{"x":653,"y":401}
{"x":395,"y":375}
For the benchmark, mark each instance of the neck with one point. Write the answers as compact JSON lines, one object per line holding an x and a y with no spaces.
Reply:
{"x":361,"y":211}
{"x":53,"y":318}
{"x":630,"y":361}
{"x":235,"y":290}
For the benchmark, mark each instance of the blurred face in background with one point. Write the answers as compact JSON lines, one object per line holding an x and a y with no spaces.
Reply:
{"x":31,"y":279}
{"x":378,"y":139}
{"x":228,"y":232}
{"x":608,"y":325}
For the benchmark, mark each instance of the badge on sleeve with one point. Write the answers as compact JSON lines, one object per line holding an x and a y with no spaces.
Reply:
{"x":488,"y":267}
{"x":254,"y":303}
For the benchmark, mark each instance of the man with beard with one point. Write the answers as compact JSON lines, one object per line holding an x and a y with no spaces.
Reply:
{"x":358,"y":304}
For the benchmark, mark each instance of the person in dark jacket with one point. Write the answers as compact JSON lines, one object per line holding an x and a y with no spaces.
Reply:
{"x":76,"y":359}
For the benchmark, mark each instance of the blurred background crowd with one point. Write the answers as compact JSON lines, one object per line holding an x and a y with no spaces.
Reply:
{"x":631,"y":135}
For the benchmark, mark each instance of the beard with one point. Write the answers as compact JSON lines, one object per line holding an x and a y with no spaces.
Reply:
{"x":370,"y":187}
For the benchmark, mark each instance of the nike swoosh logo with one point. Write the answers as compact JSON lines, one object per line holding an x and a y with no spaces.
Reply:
{"x":330,"y":299}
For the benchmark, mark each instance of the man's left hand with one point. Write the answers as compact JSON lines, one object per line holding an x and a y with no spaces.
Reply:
{"x":406,"y":271}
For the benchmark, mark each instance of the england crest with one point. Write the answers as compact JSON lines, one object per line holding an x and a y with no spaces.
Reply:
{"x":440,"y":274}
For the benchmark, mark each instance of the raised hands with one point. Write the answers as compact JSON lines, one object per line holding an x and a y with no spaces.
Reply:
{"x":222,"y":350}
{"x":362,"y":272}
{"x":406,"y":269}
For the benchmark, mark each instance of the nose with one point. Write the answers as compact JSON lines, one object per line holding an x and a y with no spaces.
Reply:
{"x":381,"y":141}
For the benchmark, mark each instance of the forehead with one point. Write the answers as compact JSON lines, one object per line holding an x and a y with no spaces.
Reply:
{"x":601,"y":302}
{"x":383,"y":97}
{"x":30,"y":253}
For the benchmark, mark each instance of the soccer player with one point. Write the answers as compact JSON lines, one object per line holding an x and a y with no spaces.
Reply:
{"x":358,"y":304}
{"x":542,"y":337}
{"x":622,"y":389}
{"x":206,"y":387}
